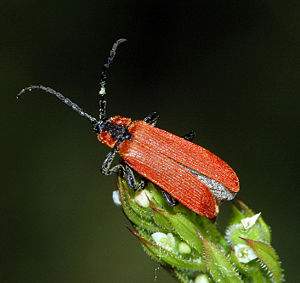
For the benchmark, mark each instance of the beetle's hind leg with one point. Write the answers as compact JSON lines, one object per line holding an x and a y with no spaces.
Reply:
{"x":170,"y":200}
{"x":189,"y":136}
{"x":152,"y":119}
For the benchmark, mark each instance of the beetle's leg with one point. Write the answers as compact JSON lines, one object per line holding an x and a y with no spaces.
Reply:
{"x":189,"y":136}
{"x":142,"y":184}
{"x":102,"y":92}
{"x":106,"y":166}
{"x":170,"y":200}
{"x":131,"y":179}
{"x":152,"y":119}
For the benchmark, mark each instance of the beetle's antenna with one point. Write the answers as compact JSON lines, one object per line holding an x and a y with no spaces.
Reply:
{"x":65,"y":100}
{"x":102,"y":92}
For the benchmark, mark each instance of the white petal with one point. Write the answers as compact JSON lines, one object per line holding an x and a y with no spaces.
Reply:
{"x":250,"y":221}
{"x":164,"y":240}
{"x":244,"y":253}
{"x":142,"y":199}
{"x":116,"y":198}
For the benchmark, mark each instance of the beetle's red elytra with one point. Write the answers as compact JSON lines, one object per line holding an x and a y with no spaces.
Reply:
{"x":186,"y":173}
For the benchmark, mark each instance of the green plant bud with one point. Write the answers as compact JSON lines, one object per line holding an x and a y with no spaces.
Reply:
{"x":183,"y":248}
{"x":202,"y":278}
{"x":265,"y":229}
{"x":246,"y":224}
{"x":191,"y":248}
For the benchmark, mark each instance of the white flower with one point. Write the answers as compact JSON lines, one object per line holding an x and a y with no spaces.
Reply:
{"x":142,"y":199}
{"x":166,"y":241}
{"x":244,"y":253}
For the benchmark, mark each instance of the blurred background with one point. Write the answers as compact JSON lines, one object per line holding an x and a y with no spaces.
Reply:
{"x":227,"y":69}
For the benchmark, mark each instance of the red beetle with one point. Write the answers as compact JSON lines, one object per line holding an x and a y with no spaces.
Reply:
{"x":185,"y":172}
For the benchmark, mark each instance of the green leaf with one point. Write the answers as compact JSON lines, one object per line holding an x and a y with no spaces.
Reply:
{"x":181,"y":276}
{"x":236,"y":215}
{"x":218,"y":264}
{"x":265,"y":229}
{"x":136,"y":216}
{"x":157,"y":197}
{"x":242,"y":268}
{"x":161,"y":220}
{"x":268,"y":258}
{"x":246,"y":210}
{"x":186,"y":229}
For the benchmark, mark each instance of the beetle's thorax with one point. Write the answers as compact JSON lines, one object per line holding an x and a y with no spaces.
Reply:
{"x":112,"y":130}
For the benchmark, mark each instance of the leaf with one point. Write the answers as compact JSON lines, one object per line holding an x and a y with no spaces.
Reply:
{"x":186,"y":230}
{"x":268,"y":258}
{"x":218,"y":264}
{"x":164,"y":256}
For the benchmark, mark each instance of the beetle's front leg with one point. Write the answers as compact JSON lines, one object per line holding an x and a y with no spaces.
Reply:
{"x":106,"y":166}
{"x":131,"y":179}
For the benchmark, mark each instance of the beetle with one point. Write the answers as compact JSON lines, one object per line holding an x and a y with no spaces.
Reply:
{"x":186,"y":172}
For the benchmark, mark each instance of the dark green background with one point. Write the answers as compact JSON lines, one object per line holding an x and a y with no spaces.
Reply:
{"x":227,"y":69}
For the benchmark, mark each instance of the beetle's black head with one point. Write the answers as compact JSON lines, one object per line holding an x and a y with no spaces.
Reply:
{"x":100,"y":126}
{"x":118,"y":132}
